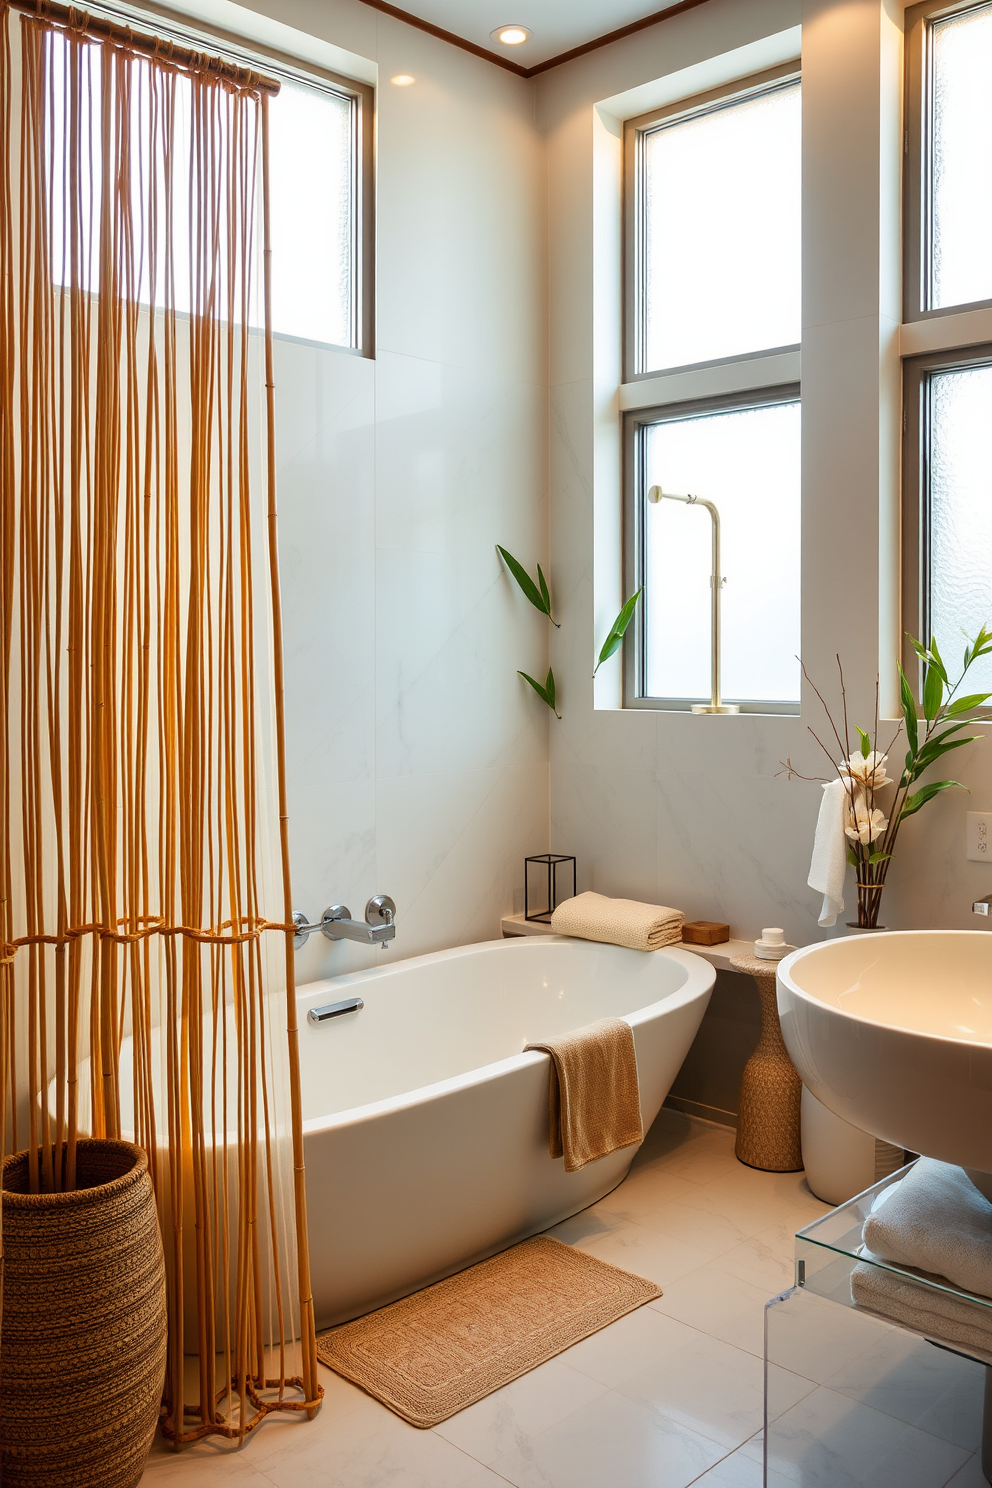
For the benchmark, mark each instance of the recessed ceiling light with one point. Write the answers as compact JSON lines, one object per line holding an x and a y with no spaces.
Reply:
{"x":510,"y":35}
{"x":402,"y":80}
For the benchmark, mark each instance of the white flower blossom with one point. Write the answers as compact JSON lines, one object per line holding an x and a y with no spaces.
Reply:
{"x":863,"y":825}
{"x":867,"y":772}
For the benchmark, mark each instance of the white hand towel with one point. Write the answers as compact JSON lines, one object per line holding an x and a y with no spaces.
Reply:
{"x":940,"y":1315}
{"x":936,"y":1221}
{"x":829,"y":865}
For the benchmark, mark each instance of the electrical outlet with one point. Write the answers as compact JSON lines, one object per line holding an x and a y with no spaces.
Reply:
{"x":978,"y":837}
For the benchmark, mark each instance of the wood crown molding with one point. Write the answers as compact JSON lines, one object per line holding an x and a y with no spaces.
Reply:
{"x":515,"y":67}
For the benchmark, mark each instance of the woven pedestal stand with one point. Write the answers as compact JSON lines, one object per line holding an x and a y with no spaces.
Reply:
{"x":768,"y":1120}
{"x":83,"y":1329}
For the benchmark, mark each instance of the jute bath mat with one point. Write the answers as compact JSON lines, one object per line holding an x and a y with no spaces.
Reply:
{"x":432,"y":1354}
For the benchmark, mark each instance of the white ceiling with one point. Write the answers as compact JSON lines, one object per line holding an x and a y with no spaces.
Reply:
{"x":557,"y":25}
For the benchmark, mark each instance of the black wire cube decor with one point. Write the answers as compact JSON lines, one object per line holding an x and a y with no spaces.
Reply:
{"x":549,"y":879}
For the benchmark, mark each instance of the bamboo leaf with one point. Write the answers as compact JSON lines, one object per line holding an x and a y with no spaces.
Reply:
{"x":617,"y":630}
{"x":526,"y":583}
{"x":879,"y":857}
{"x":926,"y":793}
{"x":936,"y":748}
{"x":865,"y":743}
{"x":967,"y":704}
{"x":545,"y":591}
{"x":852,"y":857}
{"x":981,"y":645}
{"x":936,"y":660}
{"x":546,"y":692}
{"x":909,"y":713}
{"x":933,"y":692}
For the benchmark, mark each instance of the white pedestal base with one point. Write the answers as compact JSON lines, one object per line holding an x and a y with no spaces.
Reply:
{"x":840,"y":1160}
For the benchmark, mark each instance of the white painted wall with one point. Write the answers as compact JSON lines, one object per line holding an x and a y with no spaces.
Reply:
{"x":418,"y":762}
{"x":694,"y":811}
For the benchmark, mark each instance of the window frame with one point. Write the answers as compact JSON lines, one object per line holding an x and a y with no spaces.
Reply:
{"x":915,"y":505}
{"x":633,"y":247}
{"x":917,"y":216}
{"x":158,"y":18}
{"x":635,"y":649}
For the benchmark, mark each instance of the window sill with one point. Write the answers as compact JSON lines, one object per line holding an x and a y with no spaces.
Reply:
{"x":780,"y":368}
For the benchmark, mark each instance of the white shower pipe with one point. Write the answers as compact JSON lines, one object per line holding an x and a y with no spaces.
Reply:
{"x":715,"y":705}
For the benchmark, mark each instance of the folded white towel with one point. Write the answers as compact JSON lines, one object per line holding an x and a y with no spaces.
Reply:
{"x":829,"y":864}
{"x":939,"y":1315}
{"x":936,"y":1221}
{"x":625,"y":922}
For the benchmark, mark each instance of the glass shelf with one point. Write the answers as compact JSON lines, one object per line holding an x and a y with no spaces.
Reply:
{"x":831,"y":1251}
{"x":854,"y":1395}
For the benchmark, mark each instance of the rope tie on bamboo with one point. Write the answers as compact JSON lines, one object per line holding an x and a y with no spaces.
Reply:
{"x":256,"y":928}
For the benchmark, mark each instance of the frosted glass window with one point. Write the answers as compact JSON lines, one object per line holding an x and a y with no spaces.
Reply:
{"x":313,"y":207}
{"x":961,"y":159}
{"x":311,"y":150}
{"x":747,"y":463}
{"x":960,"y":517}
{"x":722,"y":231}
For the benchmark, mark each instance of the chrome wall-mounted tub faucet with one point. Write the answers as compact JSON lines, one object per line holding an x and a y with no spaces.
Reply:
{"x":983,"y":906}
{"x":378,"y":927}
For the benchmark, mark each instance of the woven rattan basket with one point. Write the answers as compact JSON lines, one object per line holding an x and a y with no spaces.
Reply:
{"x":82,"y":1333}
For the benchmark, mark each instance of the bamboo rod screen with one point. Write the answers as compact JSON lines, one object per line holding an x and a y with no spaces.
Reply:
{"x":142,"y":801}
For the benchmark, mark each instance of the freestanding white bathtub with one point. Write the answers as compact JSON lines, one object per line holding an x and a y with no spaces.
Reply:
{"x":426,"y":1126}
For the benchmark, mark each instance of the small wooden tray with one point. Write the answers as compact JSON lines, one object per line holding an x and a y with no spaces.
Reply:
{"x":705,"y":932}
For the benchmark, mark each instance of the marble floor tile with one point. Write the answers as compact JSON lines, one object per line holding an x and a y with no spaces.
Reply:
{"x":709,"y":1298}
{"x":644,"y":1190}
{"x":970,"y":1476}
{"x":713,"y":1388}
{"x":686,"y":1221}
{"x":645,"y":1252}
{"x":616,"y":1442}
{"x":907,"y":1378}
{"x":201,"y":1464}
{"x":741,"y":1471}
{"x":504,"y":1420}
{"x":830,"y":1441}
{"x":634,"y":1342}
{"x":373,"y":1449}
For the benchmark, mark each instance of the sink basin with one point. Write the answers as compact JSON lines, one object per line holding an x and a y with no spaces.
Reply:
{"x":893,"y":1032}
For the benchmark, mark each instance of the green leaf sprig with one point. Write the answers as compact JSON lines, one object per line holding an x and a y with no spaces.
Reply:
{"x":931,"y":733}
{"x":942,"y":722}
{"x":539,"y":594}
{"x":618,"y":630}
{"x":547,"y":692}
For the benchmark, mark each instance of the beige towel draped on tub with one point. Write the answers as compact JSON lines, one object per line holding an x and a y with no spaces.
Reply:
{"x":641,"y":927}
{"x":593,"y":1100}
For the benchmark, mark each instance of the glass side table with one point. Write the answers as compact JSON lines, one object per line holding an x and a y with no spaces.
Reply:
{"x":888,"y":1404}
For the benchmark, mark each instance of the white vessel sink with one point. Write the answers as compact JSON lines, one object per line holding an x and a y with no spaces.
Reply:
{"x":893,"y":1032}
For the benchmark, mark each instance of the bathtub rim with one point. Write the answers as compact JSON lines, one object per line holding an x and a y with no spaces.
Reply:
{"x":700,"y":979}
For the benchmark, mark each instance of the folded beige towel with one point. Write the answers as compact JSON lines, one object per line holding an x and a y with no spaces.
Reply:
{"x":938,"y":1315}
{"x":593,"y":1100}
{"x":935,"y":1220}
{"x":642,"y":927}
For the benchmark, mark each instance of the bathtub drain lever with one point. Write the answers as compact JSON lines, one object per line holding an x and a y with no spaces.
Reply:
{"x":335,"y":1009}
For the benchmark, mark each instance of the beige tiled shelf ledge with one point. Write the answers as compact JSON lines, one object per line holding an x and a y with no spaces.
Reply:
{"x":719,"y":956}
